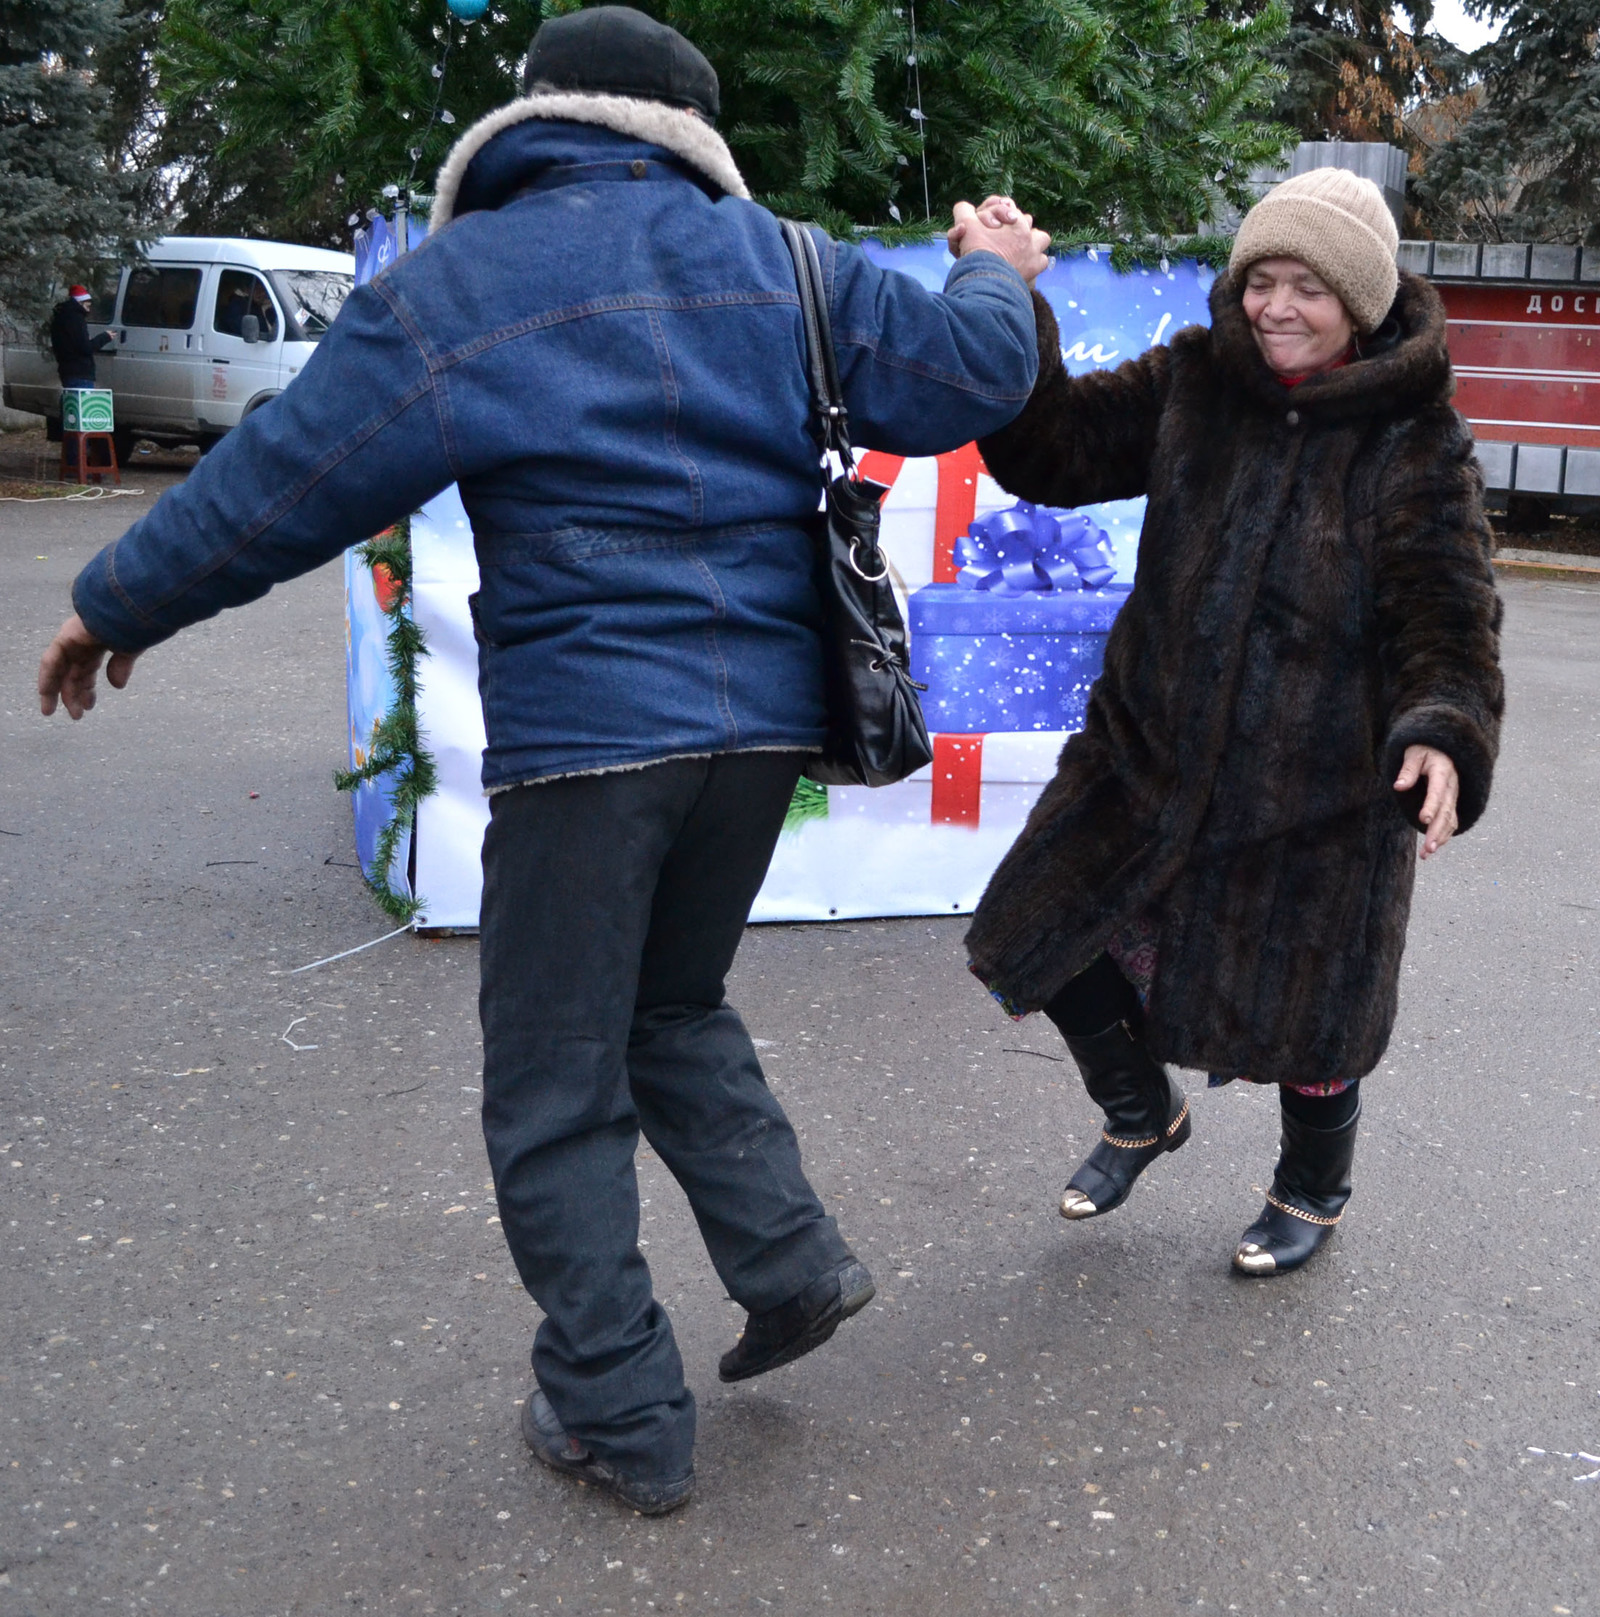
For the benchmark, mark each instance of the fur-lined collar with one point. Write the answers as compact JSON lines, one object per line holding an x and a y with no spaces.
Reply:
{"x":1406,"y":364}
{"x":686,"y":136}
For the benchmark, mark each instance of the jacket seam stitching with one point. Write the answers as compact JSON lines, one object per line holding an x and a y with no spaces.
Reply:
{"x":933,"y":373}
{"x":714,"y":646}
{"x":121,"y":594}
{"x":669,"y":425}
{"x":615,"y":305}
{"x":397,"y":307}
{"x":493,"y":546}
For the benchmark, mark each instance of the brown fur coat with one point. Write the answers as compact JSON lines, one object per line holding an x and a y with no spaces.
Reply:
{"x":1313,"y":596}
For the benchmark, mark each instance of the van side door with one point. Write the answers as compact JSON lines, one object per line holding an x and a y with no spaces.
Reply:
{"x":156,"y":347}
{"x":238,"y":371}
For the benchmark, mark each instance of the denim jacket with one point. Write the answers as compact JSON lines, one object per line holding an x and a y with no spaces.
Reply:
{"x":601,"y":343}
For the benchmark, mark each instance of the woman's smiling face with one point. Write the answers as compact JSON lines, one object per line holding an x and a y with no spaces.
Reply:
{"x":1299,"y":324}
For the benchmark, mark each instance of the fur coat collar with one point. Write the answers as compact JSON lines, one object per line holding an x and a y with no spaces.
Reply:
{"x":1401,"y":367}
{"x":655,"y":123}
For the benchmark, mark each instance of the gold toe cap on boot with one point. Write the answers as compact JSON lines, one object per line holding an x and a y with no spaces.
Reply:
{"x":1074,"y":1204}
{"x":1251,"y":1259}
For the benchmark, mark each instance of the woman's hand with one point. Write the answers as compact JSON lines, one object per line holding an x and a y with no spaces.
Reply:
{"x":1438,"y":812}
{"x":999,"y":226}
{"x":71,"y":665}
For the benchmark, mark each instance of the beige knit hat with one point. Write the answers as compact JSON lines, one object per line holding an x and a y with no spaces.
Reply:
{"x":1336,"y":223}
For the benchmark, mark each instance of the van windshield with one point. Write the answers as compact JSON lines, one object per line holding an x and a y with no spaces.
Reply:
{"x":314,"y":297}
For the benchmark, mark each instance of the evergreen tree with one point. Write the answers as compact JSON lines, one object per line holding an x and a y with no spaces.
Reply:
{"x":1525,"y":164}
{"x":1351,"y":70}
{"x":62,"y":208}
{"x":1116,"y":117}
{"x":189,"y":180}
{"x":296,"y":112}
{"x":1122,"y":118}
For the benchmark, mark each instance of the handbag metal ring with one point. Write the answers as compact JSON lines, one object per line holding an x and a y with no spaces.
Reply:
{"x":855,"y":566}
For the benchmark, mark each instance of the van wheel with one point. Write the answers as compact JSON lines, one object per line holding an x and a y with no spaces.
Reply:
{"x":207,"y":441}
{"x":123,"y":441}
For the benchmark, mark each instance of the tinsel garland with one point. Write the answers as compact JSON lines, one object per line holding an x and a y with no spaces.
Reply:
{"x":396,"y":747}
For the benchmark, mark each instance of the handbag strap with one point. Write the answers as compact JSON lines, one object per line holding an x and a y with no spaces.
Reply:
{"x":827,"y":397}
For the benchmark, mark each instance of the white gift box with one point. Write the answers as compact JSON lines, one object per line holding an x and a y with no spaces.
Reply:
{"x":924,"y":847}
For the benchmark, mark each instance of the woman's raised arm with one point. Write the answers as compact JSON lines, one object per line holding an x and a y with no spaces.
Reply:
{"x":1081,"y":439}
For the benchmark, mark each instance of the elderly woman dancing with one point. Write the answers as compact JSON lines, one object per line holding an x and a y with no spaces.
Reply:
{"x":1305,"y":676}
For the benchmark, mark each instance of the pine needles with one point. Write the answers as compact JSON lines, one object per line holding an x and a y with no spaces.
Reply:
{"x":397,"y":750}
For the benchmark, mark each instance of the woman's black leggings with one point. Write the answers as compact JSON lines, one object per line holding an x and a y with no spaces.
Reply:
{"x":1100,"y":996}
{"x":1097,"y":998}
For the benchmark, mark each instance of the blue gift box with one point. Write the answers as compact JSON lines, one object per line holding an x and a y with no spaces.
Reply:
{"x":1018,"y":639}
{"x":1009,"y":662}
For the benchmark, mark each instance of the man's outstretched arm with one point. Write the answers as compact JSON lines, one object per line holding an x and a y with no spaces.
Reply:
{"x":356,"y":443}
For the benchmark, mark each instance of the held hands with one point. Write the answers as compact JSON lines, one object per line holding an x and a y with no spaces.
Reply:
{"x":1438,"y":812}
{"x":999,"y":226}
{"x":71,"y":665}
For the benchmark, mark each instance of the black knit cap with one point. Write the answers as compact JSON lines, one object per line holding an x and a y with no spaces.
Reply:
{"x":615,"y":50}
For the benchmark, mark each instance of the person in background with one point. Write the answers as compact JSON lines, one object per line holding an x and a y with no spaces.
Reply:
{"x":601,"y":342}
{"x":70,"y":341}
{"x":1305,"y":676}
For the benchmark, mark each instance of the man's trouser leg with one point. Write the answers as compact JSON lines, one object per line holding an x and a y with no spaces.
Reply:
{"x":702,"y":1100}
{"x":590,"y":885}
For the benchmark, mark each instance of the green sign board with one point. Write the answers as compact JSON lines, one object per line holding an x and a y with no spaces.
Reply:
{"x":86,"y":409}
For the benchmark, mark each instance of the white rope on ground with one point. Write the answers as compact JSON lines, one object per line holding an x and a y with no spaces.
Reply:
{"x":343,"y":954}
{"x":88,"y":492}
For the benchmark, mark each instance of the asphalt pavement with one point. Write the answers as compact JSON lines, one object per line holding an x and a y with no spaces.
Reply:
{"x":262,"y":1348}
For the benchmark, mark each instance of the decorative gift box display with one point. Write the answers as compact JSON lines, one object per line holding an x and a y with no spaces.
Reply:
{"x":1007,"y":605}
{"x":1016,"y":642}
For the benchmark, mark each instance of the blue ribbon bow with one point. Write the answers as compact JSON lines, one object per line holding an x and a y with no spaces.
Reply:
{"x":1029,"y":548}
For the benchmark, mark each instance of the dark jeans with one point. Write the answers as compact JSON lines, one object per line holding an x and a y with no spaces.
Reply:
{"x":612,"y":908}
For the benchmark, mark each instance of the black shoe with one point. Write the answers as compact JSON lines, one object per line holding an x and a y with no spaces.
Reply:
{"x":548,"y":1439}
{"x":1146,"y":1114}
{"x":1308,"y":1196}
{"x":782,"y":1334}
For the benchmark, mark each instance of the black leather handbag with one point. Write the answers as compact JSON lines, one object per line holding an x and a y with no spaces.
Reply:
{"x":876,"y":732}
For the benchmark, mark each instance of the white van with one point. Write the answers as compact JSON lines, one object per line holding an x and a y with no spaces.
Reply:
{"x":205,"y":330}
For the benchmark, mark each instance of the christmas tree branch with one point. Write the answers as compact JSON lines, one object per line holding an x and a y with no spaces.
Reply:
{"x":396,"y":746}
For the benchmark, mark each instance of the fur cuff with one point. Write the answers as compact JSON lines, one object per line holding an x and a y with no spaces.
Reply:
{"x":686,"y":136}
{"x":1049,"y":334}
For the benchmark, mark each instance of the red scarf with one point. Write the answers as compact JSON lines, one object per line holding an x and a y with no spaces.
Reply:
{"x":1338,"y":364}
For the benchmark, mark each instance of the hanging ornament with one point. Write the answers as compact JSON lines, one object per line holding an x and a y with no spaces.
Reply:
{"x":469,"y":10}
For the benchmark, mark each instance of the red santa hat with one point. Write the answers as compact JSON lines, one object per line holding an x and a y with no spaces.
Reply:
{"x":79,"y":294}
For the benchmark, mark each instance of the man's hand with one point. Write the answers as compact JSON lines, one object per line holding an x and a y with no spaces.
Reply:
{"x":1444,"y":786}
{"x":70,"y":666}
{"x":999,"y":226}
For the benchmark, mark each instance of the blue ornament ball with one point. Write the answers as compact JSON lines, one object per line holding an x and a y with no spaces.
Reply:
{"x":468,"y":10}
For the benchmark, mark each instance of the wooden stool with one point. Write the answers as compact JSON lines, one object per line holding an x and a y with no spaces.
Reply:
{"x":80,"y":442}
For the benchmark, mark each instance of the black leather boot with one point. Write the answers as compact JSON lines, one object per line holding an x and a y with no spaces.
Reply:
{"x":1309,"y":1190}
{"x":1146,"y":1114}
